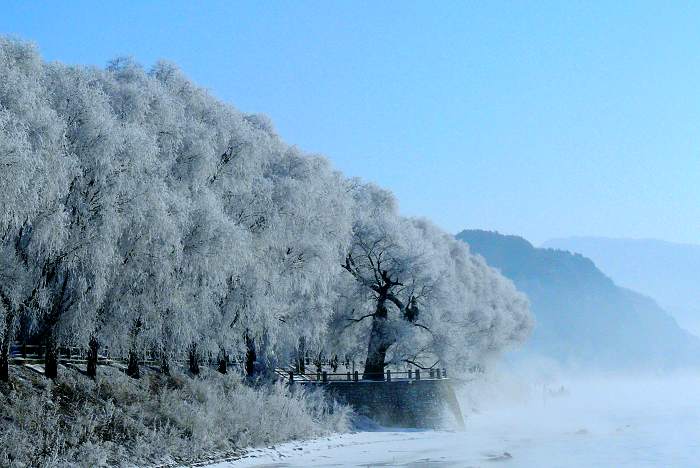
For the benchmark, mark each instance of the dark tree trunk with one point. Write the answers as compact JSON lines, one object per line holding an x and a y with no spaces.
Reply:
{"x":301,"y":353}
{"x":379,"y":343}
{"x":223,"y":361}
{"x":165,"y":350}
{"x":166,"y":345}
{"x":51,"y":356}
{"x":376,"y":355}
{"x":6,"y":343}
{"x":132,"y":367}
{"x":334,"y":363}
{"x":319,"y":363}
{"x":250,"y":356}
{"x":193,"y":359}
{"x":164,"y":363}
{"x":4,"y":366}
{"x":93,"y":348}
{"x":59,"y":306}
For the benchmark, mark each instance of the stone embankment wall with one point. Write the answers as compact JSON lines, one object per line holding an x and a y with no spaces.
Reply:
{"x":404,"y":403}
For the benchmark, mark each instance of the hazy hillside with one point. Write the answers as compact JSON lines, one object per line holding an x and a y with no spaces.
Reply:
{"x":666,"y":271}
{"x":581,"y":316}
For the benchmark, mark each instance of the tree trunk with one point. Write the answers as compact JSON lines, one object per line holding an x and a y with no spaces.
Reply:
{"x":132,"y":368}
{"x":376,"y":352}
{"x":223,"y":361}
{"x":51,"y":356}
{"x":164,"y":363}
{"x":250,"y":356}
{"x":6,"y":344}
{"x":319,"y":363}
{"x":301,"y":353}
{"x":378,"y":345}
{"x":93,"y":348}
{"x":166,"y":344}
{"x":334,"y":363}
{"x":194,"y":359}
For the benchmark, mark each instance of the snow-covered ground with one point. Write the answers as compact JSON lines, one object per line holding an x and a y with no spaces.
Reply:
{"x":634,"y":422}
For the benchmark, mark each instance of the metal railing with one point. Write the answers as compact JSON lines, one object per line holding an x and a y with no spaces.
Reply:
{"x":291,"y":376}
{"x":23,"y":354}
{"x":26,"y":354}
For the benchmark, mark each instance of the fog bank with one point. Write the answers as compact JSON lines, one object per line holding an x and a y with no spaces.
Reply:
{"x":575,"y":421}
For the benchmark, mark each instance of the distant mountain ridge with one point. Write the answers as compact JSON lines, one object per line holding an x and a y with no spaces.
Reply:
{"x":666,"y":271}
{"x":582,"y":317}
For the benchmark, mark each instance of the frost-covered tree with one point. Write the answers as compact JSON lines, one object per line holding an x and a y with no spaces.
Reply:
{"x":388,"y":264}
{"x":472,"y":311}
{"x":307,"y":232}
{"x":35,"y":171}
{"x":142,"y":215}
{"x":422,"y":295}
{"x":74,"y":277}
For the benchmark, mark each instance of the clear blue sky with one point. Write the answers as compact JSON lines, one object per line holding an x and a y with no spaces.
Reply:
{"x":540,"y":119}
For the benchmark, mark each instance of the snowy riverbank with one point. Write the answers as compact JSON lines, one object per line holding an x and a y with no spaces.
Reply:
{"x":606,"y":423}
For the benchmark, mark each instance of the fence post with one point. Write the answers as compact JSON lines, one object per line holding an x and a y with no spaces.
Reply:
{"x":417,"y":374}
{"x":291,"y":376}
{"x":388,"y":375}
{"x":349,"y":378}
{"x":410,"y":374}
{"x":325,"y":376}
{"x":357,"y":374}
{"x":432,"y":373}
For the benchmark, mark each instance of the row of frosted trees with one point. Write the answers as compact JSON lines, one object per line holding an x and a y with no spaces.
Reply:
{"x":139,"y":213}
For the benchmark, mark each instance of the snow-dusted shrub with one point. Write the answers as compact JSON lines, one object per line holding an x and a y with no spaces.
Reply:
{"x":116,"y":420}
{"x":220,"y":411}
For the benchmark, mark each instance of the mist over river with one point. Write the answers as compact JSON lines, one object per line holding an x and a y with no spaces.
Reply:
{"x":605,"y":421}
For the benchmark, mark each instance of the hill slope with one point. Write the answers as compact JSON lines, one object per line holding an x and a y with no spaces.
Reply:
{"x":664,"y":270}
{"x":582,"y":317}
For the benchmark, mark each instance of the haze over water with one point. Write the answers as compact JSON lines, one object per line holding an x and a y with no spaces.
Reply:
{"x":604,"y":421}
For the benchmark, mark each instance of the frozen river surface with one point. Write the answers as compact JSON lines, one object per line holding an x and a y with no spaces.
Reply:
{"x":604,"y":423}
